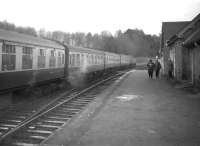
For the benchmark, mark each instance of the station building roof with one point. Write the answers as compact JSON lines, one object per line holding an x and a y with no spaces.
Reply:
{"x":170,"y":29}
{"x":193,"y":38}
{"x":27,"y":39}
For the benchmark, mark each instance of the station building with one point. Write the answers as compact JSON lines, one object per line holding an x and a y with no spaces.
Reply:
{"x":180,"y":41}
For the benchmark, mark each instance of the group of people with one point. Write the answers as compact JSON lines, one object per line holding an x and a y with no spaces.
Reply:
{"x":156,"y":66}
{"x":153,"y":67}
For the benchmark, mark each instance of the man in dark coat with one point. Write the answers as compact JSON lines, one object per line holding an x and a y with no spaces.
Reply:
{"x":157,"y":68}
{"x":150,"y":67}
{"x":170,"y":69}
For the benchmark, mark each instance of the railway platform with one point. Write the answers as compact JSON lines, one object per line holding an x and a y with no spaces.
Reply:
{"x":135,"y":111}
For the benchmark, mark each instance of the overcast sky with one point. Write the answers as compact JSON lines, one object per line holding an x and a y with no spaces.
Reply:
{"x":97,"y":15}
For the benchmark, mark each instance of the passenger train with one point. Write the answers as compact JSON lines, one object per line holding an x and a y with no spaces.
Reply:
{"x":28,"y":60}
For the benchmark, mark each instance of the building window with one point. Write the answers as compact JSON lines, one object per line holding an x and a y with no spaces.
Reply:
{"x":41,"y":58}
{"x":27,"y":58}
{"x":8,"y":57}
{"x":52,"y":59}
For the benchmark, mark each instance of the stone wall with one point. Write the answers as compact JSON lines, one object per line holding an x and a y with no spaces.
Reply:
{"x":178,"y":67}
{"x":197,"y":66}
{"x":165,"y":60}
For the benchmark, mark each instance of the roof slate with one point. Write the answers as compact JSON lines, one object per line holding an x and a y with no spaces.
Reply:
{"x":171,"y":28}
{"x":194,"y":37}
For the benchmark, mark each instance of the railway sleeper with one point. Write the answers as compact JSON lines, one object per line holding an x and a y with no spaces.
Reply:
{"x":24,"y":132}
{"x":85,"y":99}
{"x":4,"y":121}
{"x":87,"y":96}
{"x":39,"y":131}
{"x":26,"y":141}
{"x":38,"y":127}
{"x":10,"y":117}
{"x":64,"y":115}
{"x":11,"y":120}
{"x":68,"y":111}
{"x":56,"y":119}
{"x":49,"y":126}
{"x":14,"y":117}
{"x":4,"y":130}
{"x":79,"y":102}
{"x":72,"y":106}
{"x":76,"y":100}
{"x":9,"y":125}
{"x":20,"y":112}
{"x":59,"y":118}
{"x":49,"y":123}
{"x":17,"y":140}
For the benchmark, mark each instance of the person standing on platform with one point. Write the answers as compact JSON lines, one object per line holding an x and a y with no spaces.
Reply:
{"x":157,"y":67}
{"x":170,"y":69}
{"x":150,"y":67}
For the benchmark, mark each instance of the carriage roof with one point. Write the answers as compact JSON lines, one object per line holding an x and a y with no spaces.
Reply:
{"x":84,"y":50}
{"x":27,"y":39}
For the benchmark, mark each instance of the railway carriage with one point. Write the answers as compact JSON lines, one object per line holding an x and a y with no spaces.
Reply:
{"x":85,"y":63}
{"x":85,"y":60}
{"x":112,"y":60}
{"x":26,"y":60}
{"x":126,"y":61}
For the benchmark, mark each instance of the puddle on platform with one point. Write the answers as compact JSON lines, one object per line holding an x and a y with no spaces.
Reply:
{"x":127,"y":97}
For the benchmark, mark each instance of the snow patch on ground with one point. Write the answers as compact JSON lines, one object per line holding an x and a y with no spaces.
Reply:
{"x":127,"y":97}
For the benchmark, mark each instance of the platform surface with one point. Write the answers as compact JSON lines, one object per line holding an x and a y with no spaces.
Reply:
{"x":136,"y":111}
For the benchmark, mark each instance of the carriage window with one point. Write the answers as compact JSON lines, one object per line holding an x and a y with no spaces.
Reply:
{"x":63,"y":58}
{"x":59,"y":59}
{"x":99,"y":59}
{"x":52,"y":59}
{"x":88,"y":59}
{"x":42,"y":52}
{"x":8,"y":57}
{"x":27,"y":58}
{"x":70,"y":59}
{"x":78,"y":59}
{"x":73,"y":59}
{"x":41,"y":58}
{"x":82,"y":59}
{"x":92,"y":60}
{"x":95,"y":61}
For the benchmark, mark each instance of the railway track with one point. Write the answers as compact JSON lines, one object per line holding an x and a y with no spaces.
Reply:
{"x":34,"y":127}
